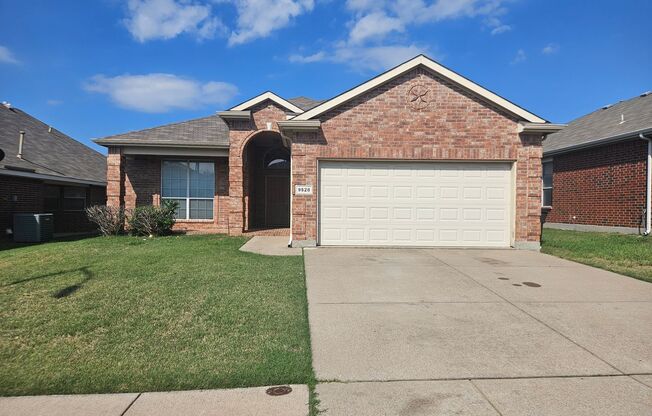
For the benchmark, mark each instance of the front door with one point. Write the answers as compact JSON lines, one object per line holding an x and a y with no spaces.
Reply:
{"x":277,"y":201}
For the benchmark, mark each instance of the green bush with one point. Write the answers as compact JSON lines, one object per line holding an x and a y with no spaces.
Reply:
{"x":109,"y":220}
{"x":151,"y":220}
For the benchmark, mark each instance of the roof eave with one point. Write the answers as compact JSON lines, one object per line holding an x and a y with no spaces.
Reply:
{"x":107,"y":143}
{"x":54,"y":178}
{"x":267,"y":95}
{"x":599,"y":142}
{"x":295,"y":125}
{"x":235,"y":115}
{"x":543,"y":128}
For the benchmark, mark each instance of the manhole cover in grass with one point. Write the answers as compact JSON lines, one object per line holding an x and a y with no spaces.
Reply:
{"x":279,"y":390}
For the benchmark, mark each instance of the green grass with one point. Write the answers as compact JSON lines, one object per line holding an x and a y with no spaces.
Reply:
{"x":630,"y":255}
{"x":120,"y":314}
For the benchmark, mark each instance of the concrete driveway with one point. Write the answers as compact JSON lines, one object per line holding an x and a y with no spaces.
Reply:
{"x":442,"y":331}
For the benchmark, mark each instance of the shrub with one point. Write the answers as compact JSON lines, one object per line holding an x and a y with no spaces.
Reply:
{"x":152,"y":220}
{"x":109,"y":220}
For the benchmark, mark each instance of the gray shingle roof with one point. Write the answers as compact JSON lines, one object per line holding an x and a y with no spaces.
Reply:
{"x":208,"y":131}
{"x":46,"y":152}
{"x":305,"y":103}
{"x":604,"y":124}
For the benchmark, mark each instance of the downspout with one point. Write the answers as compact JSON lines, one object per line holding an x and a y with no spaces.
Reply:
{"x":648,"y":192}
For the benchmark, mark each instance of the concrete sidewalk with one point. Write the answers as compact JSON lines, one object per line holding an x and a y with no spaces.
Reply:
{"x":225,"y":402}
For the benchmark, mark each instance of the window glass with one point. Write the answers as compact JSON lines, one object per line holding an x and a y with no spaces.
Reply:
{"x":174,"y":179}
{"x":547,"y":174}
{"x":51,"y":198}
{"x":547,"y":184}
{"x":202,"y":180}
{"x":192,"y":185}
{"x":277,"y":159}
{"x":201,"y":209}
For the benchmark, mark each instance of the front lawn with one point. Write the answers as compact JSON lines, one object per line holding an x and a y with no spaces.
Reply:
{"x":119,"y":314}
{"x":630,"y":255}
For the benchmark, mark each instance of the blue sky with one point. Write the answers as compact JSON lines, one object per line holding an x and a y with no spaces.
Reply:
{"x":95,"y":68}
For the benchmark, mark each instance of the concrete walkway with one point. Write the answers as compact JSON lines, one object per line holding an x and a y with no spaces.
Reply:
{"x":270,"y":246}
{"x":476,"y":332}
{"x":228,"y":402}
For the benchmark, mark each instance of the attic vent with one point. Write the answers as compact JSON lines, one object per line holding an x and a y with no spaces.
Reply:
{"x":646,"y":93}
{"x":6,"y":104}
{"x":607,"y":106}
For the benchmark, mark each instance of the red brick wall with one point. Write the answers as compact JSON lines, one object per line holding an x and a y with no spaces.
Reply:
{"x":454,"y":126}
{"x":600,"y":186}
{"x":142,"y":186}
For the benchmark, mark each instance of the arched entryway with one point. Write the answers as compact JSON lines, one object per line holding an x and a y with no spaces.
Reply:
{"x":267,"y":177}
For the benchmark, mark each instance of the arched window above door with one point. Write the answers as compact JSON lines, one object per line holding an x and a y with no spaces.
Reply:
{"x":277,"y":159}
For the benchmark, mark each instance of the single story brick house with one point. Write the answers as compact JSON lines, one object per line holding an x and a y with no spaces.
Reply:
{"x":417,"y":156}
{"x":45,"y":171}
{"x":597,"y":170}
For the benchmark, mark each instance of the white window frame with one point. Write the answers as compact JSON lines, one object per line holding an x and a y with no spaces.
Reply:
{"x":543,"y":186}
{"x":188,"y":198}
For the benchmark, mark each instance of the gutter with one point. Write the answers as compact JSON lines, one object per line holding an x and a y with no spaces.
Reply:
{"x":543,"y":128}
{"x":53,"y":178}
{"x":648,"y":191}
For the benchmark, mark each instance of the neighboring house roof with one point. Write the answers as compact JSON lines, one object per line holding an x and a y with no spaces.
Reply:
{"x":209,"y":131}
{"x":46,"y":151}
{"x":268,"y":95}
{"x":305,"y":103}
{"x":619,"y":121}
{"x":424,"y":61}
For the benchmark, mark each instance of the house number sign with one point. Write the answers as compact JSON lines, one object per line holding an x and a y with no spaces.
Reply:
{"x":303,"y":189}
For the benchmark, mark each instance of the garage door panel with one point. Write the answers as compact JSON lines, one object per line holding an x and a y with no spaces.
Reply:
{"x":415,"y":204}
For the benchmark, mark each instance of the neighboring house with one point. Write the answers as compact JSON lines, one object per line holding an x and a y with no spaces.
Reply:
{"x":45,"y":171}
{"x":417,"y":156}
{"x":597,"y":170}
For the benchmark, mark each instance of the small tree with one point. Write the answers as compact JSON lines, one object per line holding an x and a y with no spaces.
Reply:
{"x":152,"y":220}
{"x":109,"y":220}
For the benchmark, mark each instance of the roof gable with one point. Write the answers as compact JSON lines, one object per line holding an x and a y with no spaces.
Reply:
{"x":428,"y":63}
{"x":268,"y":95}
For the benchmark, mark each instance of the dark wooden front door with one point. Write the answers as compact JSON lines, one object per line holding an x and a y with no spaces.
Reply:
{"x":277,"y":201}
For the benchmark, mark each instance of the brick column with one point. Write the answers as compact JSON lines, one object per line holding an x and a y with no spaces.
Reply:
{"x":115,"y":177}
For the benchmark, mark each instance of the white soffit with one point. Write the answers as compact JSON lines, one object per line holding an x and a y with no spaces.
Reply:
{"x":433,"y":66}
{"x":267,"y":96}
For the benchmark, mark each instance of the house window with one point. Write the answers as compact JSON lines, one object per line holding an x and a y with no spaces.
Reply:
{"x":74,"y":198}
{"x":547,"y":183}
{"x":277,"y":159}
{"x":192,"y":185}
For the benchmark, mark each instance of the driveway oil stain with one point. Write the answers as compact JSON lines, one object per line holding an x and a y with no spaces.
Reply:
{"x":493,"y":262}
{"x":531,"y":284}
{"x":503,"y":278}
{"x":516,"y":284}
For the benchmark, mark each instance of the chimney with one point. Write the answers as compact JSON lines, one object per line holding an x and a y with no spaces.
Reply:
{"x":21,"y":141}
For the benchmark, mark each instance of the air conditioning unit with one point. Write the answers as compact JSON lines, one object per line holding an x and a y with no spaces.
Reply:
{"x":33,"y":228}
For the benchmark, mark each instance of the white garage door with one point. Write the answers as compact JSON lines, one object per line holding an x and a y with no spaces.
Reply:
{"x":415,"y":204}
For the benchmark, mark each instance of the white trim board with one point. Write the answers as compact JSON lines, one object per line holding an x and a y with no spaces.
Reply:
{"x":420,"y":60}
{"x":267,"y":96}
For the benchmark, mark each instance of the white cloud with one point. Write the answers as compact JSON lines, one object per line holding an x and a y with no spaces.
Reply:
{"x":308,"y":59}
{"x":167,"y":19}
{"x":373,"y":25}
{"x":365,"y":58}
{"x":376,"y":19}
{"x":500,"y":29}
{"x":259,"y":18}
{"x":159,"y":93}
{"x":520,"y":57}
{"x":54,"y":102}
{"x":550,"y":49}
{"x":7,"y":57}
